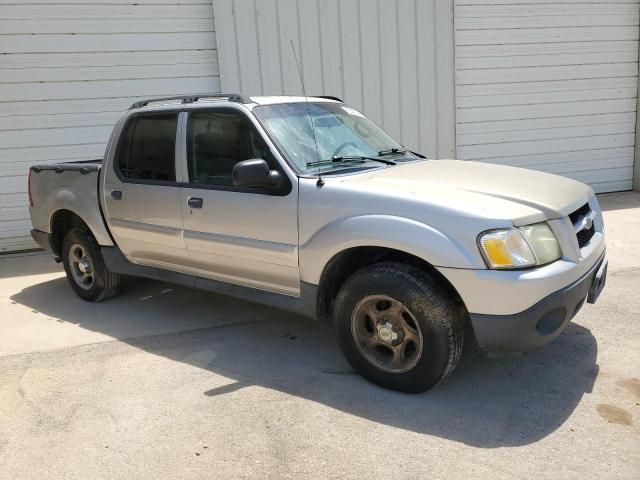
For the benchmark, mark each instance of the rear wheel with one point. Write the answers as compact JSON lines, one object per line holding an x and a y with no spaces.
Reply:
{"x":85,"y":267}
{"x":398,"y":328}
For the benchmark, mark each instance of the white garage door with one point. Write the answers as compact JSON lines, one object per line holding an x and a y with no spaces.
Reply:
{"x":69,"y":68}
{"x":549,"y":85}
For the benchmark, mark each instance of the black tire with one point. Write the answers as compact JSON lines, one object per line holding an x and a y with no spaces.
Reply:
{"x":440,"y":321}
{"x":104,"y":284}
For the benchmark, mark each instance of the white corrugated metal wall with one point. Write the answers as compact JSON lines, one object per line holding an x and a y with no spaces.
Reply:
{"x":69,"y":68}
{"x":393,"y":59}
{"x":549,"y":85}
{"x":541,"y":83}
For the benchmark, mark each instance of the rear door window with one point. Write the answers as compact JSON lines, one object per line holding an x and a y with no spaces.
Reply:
{"x":147,"y":150}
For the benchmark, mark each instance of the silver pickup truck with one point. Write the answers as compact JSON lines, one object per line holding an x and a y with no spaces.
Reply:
{"x":307,"y":205}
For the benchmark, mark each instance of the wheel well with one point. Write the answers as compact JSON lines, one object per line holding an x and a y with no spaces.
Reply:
{"x":61,"y":222}
{"x":349,"y":261}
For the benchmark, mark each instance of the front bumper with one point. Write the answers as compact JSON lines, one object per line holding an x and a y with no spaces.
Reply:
{"x":543,"y":321}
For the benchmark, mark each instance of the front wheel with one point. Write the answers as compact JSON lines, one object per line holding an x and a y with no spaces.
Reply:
{"x":398,"y":328}
{"x":83,"y":263}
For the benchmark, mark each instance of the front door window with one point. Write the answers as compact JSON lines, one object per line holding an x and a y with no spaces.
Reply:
{"x":217,"y":141}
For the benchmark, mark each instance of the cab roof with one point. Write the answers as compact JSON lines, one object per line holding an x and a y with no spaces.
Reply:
{"x":270,"y":100}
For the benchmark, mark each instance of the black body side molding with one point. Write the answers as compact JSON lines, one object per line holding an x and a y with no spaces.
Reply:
{"x":304,"y":305}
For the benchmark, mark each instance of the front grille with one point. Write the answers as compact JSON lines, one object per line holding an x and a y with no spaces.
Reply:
{"x":585,"y":234}
{"x":579,"y":213}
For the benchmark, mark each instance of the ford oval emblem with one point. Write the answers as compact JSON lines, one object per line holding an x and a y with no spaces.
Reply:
{"x":588,"y":223}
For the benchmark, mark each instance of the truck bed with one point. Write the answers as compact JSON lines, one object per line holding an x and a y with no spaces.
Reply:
{"x":67,"y":187}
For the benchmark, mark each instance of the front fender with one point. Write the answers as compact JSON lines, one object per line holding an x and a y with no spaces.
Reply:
{"x":398,"y":233}
{"x":83,"y":204}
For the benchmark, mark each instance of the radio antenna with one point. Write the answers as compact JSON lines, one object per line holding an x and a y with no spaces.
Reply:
{"x":313,"y":128}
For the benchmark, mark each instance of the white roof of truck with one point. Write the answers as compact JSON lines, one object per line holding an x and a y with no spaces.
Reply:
{"x":270,"y":100}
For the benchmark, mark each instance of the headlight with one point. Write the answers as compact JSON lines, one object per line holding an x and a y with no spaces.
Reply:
{"x":519,"y":247}
{"x":543,"y":242}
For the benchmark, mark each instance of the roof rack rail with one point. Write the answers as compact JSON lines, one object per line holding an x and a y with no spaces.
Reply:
{"x":329,"y":97}
{"x":232,"y":97}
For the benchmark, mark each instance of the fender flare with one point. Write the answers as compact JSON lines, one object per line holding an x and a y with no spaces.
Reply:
{"x":84,"y":206}
{"x":398,"y":233}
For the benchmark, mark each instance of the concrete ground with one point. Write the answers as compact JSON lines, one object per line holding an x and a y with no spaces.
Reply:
{"x":166,"y":382}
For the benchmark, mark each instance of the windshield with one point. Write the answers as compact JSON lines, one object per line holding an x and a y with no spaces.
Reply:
{"x":340,"y":131}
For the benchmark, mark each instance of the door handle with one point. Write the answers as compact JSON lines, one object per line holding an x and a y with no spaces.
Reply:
{"x":116,"y":194}
{"x":194,"y":202}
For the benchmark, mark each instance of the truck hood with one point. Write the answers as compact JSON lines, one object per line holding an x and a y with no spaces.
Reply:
{"x":488,"y":190}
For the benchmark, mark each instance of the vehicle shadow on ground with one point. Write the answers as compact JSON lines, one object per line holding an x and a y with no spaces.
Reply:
{"x":486,"y":403}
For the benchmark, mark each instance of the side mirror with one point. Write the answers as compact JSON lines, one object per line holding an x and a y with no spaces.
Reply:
{"x":255,"y":173}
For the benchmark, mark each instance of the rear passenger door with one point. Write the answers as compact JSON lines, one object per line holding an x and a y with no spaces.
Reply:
{"x":141,"y":191}
{"x":247,"y":236}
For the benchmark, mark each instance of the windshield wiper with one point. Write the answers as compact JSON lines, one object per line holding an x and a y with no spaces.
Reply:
{"x":350,"y":158}
{"x":391,"y":151}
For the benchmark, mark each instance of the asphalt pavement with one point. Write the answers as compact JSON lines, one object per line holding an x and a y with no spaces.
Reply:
{"x":165,"y":382}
